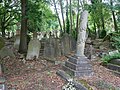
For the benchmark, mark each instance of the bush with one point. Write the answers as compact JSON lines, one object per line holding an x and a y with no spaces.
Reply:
{"x":106,"y":59}
{"x":116,"y":41}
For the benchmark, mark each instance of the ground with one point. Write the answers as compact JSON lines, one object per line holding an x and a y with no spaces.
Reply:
{"x":41,"y":74}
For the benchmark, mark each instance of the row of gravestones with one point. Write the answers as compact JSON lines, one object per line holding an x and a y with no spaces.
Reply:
{"x":51,"y":47}
{"x":48,"y":47}
{"x":55,"y":47}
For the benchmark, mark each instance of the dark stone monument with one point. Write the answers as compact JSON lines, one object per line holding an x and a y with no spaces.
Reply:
{"x":65,"y":44}
{"x":78,"y":65}
{"x":52,"y":49}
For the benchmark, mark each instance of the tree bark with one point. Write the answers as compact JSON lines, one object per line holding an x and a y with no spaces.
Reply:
{"x":82,"y":34}
{"x":114,"y":19}
{"x":57,"y":15}
{"x":61,"y":6}
{"x":3,"y":25}
{"x":3,"y":29}
{"x":70,"y":17}
{"x":67,"y":20}
{"x":34,"y":35}
{"x":23,"y":33}
{"x":77,"y":20}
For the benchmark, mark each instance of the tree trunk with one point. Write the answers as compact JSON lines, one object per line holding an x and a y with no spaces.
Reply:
{"x":23,"y":33}
{"x":61,"y":6}
{"x":82,"y":34}
{"x":102,"y":17}
{"x":70,"y":17}
{"x":3,"y":25}
{"x":103,"y":23}
{"x":57,"y":15}
{"x":98,"y":31}
{"x":95,"y":30}
{"x":67,"y":20}
{"x":114,"y":19}
{"x":3,"y":30}
{"x":77,"y":20}
{"x":34,"y":35}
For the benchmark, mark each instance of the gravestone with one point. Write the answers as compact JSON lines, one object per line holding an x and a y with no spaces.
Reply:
{"x":57,"y":46}
{"x":2,"y":42}
{"x":78,"y":65}
{"x":33,"y":49}
{"x":17,"y":42}
{"x":73,"y":43}
{"x":52,"y":48}
{"x":5,"y":51}
{"x":42,"y":42}
{"x":49,"y":50}
{"x":65,"y":44}
{"x":89,"y":49}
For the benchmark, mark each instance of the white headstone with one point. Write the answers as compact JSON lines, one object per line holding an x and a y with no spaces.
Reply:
{"x":33,"y":49}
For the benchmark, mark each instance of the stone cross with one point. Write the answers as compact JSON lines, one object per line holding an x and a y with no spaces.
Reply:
{"x":82,"y":34}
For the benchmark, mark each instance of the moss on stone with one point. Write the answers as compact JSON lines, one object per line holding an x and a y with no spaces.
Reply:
{"x":85,"y":84}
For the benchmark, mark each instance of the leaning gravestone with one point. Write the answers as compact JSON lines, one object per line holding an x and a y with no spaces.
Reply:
{"x":78,"y":65}
{"x":5,"y":51}
{"x":17,"y":42}
{"x":33,"y":49}
{"x":2,"y":42}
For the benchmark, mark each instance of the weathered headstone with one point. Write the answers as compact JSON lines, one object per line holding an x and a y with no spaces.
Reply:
{"x":5,"y":51}
{"x":78,"y":65}
{"x":49,"y":52}
{"x":2,"y":42}
{"x":42,"y":42}
{"x":89,"y":49}
{"x":57,"y":46}
{"x":17,"y":42}
{"x":52,"y":48}
{"x":73,"y":43}
{"x":65,"y":44}
{"x":33,"y":49}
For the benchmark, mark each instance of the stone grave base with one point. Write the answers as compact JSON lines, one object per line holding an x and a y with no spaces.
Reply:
{"x":78,"y":66}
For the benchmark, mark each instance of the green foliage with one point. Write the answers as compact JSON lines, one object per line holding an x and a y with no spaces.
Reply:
{"x":40,"y":16}
{"x":102,"y":34}
{"x":9,"y":14}
{"x":106,"y":59}
{"x":116,"y":41}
